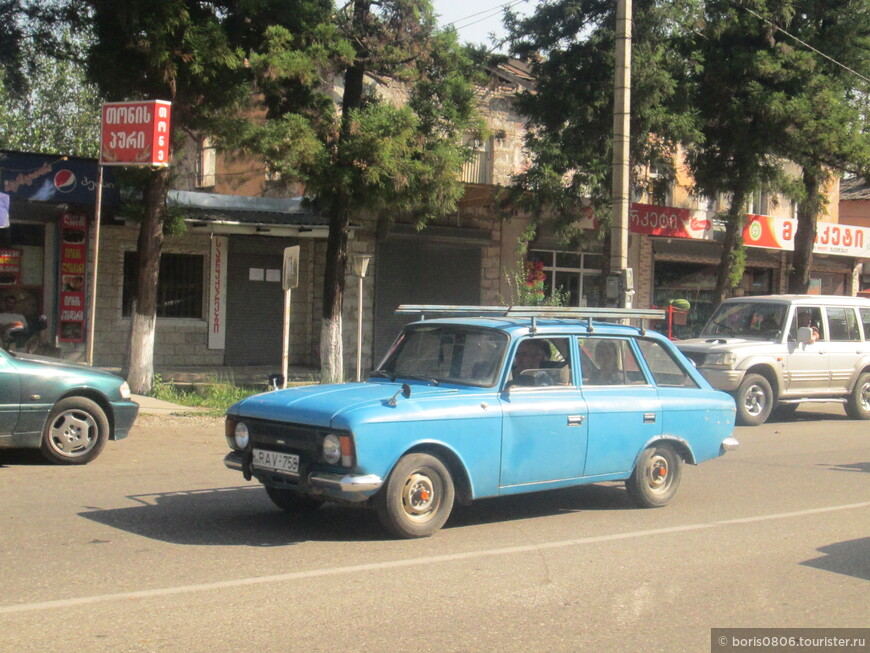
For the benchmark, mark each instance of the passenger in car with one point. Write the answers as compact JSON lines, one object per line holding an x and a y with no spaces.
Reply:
{"x":805,"y":320}
{"x":608,"y":370}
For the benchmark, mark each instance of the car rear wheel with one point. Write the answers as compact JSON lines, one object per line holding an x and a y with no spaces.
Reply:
{"x":75,"y":432}
{"x":417,"y":498}
{"x":656,"y":477}
{"x":292,"y":501}
{"x":754,"y":400}
{"x":858,"y":405}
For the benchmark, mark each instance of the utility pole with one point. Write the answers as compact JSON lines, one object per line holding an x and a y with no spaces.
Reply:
{"x":621,"y":170}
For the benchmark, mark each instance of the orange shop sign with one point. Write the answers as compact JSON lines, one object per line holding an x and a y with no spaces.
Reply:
{"x":831,"y":238}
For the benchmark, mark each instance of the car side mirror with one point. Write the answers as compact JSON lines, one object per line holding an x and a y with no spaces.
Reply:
{"x":804,"y":335}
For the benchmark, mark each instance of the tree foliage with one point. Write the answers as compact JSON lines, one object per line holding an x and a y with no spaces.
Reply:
{"x":570,"y":45}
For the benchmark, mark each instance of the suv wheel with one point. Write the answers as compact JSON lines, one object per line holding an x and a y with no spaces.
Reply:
{"x":858,"y":405}
{"x":754,"y":400}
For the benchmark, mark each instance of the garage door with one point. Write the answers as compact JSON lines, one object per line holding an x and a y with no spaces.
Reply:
{"x":413,"y":271}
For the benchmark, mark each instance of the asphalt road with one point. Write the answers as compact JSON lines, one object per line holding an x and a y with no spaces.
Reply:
{"x":157,"y":547}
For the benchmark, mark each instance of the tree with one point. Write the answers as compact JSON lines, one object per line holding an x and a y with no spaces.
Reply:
{"x":366,"y":154}
{"x":734,"y":90}
{"x":175,"y":50}
{"x":822,"y":120}
{"x":571,"y":45}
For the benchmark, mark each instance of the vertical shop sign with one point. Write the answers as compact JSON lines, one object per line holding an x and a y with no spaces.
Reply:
{"x":73,"y":271}
{"x":217,"y":296}
{"x":10,"y":266}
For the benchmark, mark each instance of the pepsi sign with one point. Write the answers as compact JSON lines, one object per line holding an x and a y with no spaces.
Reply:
{"x":50,"y":178}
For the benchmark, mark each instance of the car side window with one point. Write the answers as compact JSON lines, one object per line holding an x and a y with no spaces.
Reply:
{"x":666,"y":370}
{"x":541,"y":362}
{"x":807,"y":316}
{"x":842,"y":324}
{"x":609,"y":361}
{"x":865,"y":320}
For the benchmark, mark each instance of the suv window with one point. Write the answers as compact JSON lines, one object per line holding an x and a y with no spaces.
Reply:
{"x":865,"y":319}
{"x":665,"y":369}
{"x":842,"y":324}
{"x":809,"y":316}
{"x":757,"y":320}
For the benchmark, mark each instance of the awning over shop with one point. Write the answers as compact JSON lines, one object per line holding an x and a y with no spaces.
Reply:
{"x":234,"y":214}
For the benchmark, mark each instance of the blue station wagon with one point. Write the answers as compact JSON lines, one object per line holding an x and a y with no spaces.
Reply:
{"x":509,"y":401}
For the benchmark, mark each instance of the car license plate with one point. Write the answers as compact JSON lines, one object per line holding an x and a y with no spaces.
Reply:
{"x":276,"y":461}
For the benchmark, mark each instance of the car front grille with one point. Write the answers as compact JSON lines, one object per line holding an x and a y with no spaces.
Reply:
{"x":279,"y":436}
{"x":696,"y":357}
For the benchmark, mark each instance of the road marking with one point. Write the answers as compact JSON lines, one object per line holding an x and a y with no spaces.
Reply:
{"x":411,"y":562}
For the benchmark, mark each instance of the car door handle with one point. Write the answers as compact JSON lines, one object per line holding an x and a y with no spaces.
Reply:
{"x":649,"y":418}
{"x":576,"y":420}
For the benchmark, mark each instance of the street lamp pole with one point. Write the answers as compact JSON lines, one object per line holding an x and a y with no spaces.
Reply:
{"x":621,"y":168}
{"x":360,"y":267}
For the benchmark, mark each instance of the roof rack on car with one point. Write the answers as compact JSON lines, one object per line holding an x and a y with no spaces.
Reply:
{"x":533,"y":312}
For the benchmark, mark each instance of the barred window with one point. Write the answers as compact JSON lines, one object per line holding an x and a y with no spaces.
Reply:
{"x":179,"y":287}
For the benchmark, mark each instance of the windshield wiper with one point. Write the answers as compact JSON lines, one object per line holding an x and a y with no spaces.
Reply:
{"x":723,"y":325}
{"x":417,"y":377}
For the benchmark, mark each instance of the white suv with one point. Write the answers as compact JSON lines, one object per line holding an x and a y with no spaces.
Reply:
{"x":775,"y":352}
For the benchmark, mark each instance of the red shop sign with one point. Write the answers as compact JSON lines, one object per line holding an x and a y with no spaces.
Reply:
{"x":135,"y":133}
{"x":73,"y":272}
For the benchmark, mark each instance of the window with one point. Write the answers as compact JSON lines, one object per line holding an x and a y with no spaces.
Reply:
{"x":577,"y":275}
{"x":541,"y":362}
{"x":609,"y":361}
{"x":665,"y":370}
{"x":865,"y":319}
{"x":476,"y":171}
{"x":842,"y":324}
{"x":205,"y":164}
{"x":179,"y":287}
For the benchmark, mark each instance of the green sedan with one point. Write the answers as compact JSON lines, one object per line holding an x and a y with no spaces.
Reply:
{"x":65,"y":410}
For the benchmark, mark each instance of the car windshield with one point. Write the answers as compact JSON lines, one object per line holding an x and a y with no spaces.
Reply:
{"x":760,"y":320}
{"x":446,"y":353}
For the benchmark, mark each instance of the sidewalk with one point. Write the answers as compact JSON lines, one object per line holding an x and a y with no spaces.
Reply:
{"x":152,"y":406}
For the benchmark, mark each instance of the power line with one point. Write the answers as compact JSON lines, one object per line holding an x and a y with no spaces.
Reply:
{"x":492,"y":11}
{"x":807,"y":45}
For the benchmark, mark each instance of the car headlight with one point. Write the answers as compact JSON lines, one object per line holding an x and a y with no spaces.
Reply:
{"x":125,"y":391}
{"x":721,"y":359}
{"x":332,"y":449}
{"x":237,"y":434}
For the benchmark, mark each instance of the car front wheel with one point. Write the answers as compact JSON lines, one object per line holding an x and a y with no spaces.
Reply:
{"x":417,"y":498}
{"x":858,"y":404}
{"x":656,"y":477}
{"x":75,"y":432}
{"x":754,"y":400}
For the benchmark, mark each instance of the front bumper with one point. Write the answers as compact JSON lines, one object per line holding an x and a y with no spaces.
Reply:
{"x":726,"y":380}
{"x":125,"y":413}
{"x":347,"y":487}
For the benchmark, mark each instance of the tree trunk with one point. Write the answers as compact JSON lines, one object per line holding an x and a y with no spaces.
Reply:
{"x":140,"y":366}
{"x":331,"y":345}
{"x":732,"y":247}
{"x":805,"y":236}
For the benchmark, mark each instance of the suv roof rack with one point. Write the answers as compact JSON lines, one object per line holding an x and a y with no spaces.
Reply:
{"x":534,"y":312}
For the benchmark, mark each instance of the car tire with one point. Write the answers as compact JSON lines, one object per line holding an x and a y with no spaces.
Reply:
{"x":754,"y":400}
{"x":292,"y":501}
{"x":417,"y":498}
{"x":75,"y":432}
{"x":858,"y":404}
{"x":656,"y":477}
{"x":784,"y":411}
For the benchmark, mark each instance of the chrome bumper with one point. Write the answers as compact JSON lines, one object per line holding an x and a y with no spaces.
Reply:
{"x":730,"y":444}
{"x":368,"y":483}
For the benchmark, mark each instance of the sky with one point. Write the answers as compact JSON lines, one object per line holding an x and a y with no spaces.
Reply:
{"x":476,"y":19}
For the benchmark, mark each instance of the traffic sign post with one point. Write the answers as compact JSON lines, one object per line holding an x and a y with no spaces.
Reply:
{"x":289,"y":280}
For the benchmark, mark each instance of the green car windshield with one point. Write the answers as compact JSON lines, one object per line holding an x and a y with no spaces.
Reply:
{"x":446,"y":353}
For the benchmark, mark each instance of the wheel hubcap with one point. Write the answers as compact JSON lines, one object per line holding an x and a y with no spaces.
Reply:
{"x":754,"y":400}
{"x":418,"y":496}
{"x":73,"y":433}
{"x":658,"y":477}
{"x":865,"y":396}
